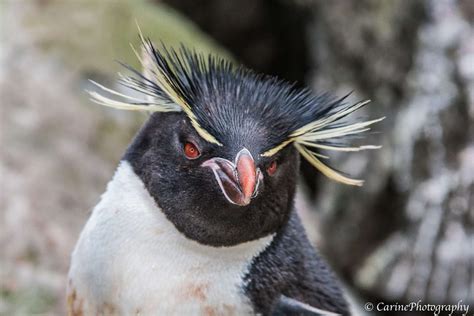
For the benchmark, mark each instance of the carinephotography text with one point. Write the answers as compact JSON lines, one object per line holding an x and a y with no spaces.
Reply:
{"x":419,"y":306}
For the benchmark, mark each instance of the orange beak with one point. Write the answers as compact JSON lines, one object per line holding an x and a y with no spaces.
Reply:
{"x":238,"y":181}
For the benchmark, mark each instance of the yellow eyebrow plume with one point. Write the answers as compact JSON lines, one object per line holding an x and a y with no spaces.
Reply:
{"x":313,"y":135}
{"x":166,"y":94}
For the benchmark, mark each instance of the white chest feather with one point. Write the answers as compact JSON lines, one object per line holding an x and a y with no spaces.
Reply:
{"x":131,"y":260}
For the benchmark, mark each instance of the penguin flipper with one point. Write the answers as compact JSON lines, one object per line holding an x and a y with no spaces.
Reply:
{"x":289,"y":306}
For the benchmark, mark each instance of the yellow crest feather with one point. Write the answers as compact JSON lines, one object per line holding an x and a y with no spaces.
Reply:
{"x":158,"y":103}
{"x":311,"y":135}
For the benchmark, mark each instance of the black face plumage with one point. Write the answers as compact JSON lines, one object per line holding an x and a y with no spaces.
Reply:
{"x":188,"y":192}
{"x":225,"y":111}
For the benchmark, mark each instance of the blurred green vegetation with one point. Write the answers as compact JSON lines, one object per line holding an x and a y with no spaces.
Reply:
{"x":30,"y":301}
{"x":90,"y":35}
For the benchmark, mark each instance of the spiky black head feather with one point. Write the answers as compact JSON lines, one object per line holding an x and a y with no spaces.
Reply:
{"x":229,"y":104}
{"x":237,"y":106}
{"x":243,"y":124}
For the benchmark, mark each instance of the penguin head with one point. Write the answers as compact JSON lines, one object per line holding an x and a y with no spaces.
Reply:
{"x":220,"y":152}
{"x":216,"y":195}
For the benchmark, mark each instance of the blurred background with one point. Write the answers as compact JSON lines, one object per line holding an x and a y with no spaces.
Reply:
{"x":407,"y":235}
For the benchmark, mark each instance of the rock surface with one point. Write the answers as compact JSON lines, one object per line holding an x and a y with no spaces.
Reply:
{"x":408,"y":234}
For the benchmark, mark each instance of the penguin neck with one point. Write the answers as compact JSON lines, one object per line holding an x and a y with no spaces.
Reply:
{"x":131,"y":206}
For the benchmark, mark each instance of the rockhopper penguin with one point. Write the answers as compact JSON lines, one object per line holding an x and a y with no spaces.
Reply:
{"x":199,"y":217}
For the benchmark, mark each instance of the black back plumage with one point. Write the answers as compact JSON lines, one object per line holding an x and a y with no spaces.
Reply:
{"x":291,"y":267}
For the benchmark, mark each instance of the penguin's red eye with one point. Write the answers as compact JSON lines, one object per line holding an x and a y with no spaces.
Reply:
{"x":272,"y":168}
{"x":191,"y":151}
